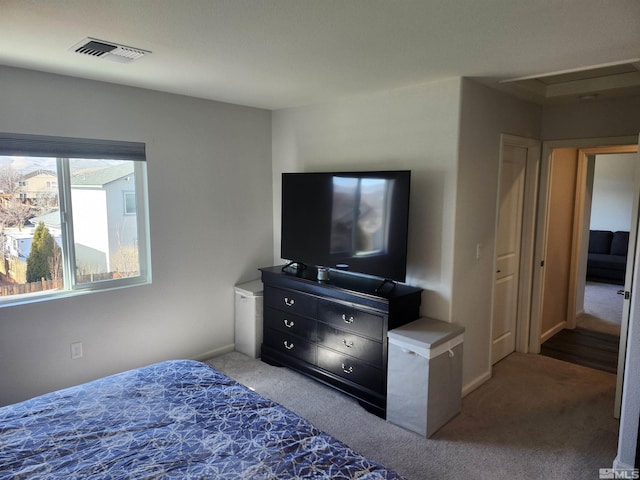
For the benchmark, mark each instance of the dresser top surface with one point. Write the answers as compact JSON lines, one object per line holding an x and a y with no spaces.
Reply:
{"x":375,"y":288}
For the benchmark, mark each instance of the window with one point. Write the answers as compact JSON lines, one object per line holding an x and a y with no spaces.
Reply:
{"x":129,"y":203}
{"x":82,"y":224}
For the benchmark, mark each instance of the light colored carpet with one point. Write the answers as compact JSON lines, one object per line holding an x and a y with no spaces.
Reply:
{"x":537,"y":418}
{"x":602,"y":308}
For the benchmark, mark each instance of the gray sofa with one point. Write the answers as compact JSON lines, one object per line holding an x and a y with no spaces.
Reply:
{"x":607,"y":257}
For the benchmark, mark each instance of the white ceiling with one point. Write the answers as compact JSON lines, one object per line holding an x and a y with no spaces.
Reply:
{"x":282,"y":53}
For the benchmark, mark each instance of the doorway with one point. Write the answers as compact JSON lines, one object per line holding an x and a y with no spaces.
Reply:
{"x":576,"y":244}
{"x":608,"y":215}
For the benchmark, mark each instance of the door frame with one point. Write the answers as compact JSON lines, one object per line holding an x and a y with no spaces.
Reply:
{"x":526,"y":260}
{"x":583,"y":145}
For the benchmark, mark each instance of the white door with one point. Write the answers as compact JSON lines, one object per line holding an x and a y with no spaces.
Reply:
{"x":628,"y":288}
{"x":508,"y":245}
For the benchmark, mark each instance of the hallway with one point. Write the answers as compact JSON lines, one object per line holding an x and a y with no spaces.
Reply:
{"x":584,"y":347}
{"x":595,"y":341}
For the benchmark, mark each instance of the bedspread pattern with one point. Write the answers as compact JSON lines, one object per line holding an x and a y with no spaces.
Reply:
{"x":173,"y":420}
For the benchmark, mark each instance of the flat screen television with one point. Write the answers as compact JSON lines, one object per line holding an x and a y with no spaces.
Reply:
{"x":352,"y":221}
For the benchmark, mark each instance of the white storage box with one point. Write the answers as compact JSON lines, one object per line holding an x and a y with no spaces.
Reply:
{"x":248,"y":332}
{"x":424,"y":375}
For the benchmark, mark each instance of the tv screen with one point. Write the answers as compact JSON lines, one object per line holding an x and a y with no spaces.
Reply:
{"x":353,"y":221}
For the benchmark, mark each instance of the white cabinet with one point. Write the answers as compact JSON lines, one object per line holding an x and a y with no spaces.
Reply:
{"x":248,"y":321}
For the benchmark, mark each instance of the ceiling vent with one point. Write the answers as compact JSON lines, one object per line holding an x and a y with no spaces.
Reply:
{"x":109,"y":50}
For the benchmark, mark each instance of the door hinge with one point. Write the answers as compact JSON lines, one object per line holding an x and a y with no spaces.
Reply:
{"x":542,"y":263}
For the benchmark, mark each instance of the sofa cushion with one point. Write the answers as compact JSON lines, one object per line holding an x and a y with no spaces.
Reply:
{"x":600,"y":241}
{"x":607,"y":262}
{"x":620,"y":243}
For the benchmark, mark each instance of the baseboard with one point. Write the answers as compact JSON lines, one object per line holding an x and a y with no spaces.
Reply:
{"x":620,"y":466}
{"x":552,"y":331}
{"x":471,"y":386}
{"x":216,"y":352}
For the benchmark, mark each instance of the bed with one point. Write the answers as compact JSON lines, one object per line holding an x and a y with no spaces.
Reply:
{"x":177,"y":419}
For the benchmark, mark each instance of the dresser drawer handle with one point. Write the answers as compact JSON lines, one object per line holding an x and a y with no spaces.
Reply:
{"x":347,"y":344}
{"x":288,"y":323}
{"x":347,"y":319}
{"x":289,"y":301}
{"x":347,"y":370}
{"x":288,"y":345}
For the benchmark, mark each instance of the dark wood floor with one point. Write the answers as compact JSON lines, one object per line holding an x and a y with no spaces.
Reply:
{"x":584,"y":347}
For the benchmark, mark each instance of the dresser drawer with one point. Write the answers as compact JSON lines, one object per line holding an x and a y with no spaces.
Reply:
{"x":290,"y":323}
{"x":351,"y":369}
{"x":290,"y":344}
{"x":290,"y":301}
{"x":347,"y":318}
{"x":354,"y":345}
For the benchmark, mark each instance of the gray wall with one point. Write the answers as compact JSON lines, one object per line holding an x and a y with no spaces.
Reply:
{"x":210,"y":220}
{"x":448,"y":134}
{"x":606,"y":118}
{"x":485,"y":115}
{"x":414,"y":129}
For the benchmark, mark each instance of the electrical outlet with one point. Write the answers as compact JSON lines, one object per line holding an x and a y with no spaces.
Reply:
{"x":76,"y":350}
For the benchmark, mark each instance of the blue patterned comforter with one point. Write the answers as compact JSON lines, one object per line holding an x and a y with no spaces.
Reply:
{"x":178,"y":419}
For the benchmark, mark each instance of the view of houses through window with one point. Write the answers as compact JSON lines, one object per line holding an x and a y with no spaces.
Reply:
{"x":54,"y":238}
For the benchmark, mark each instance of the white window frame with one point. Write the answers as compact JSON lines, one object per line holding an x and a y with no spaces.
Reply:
{"x":112,"y":150}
